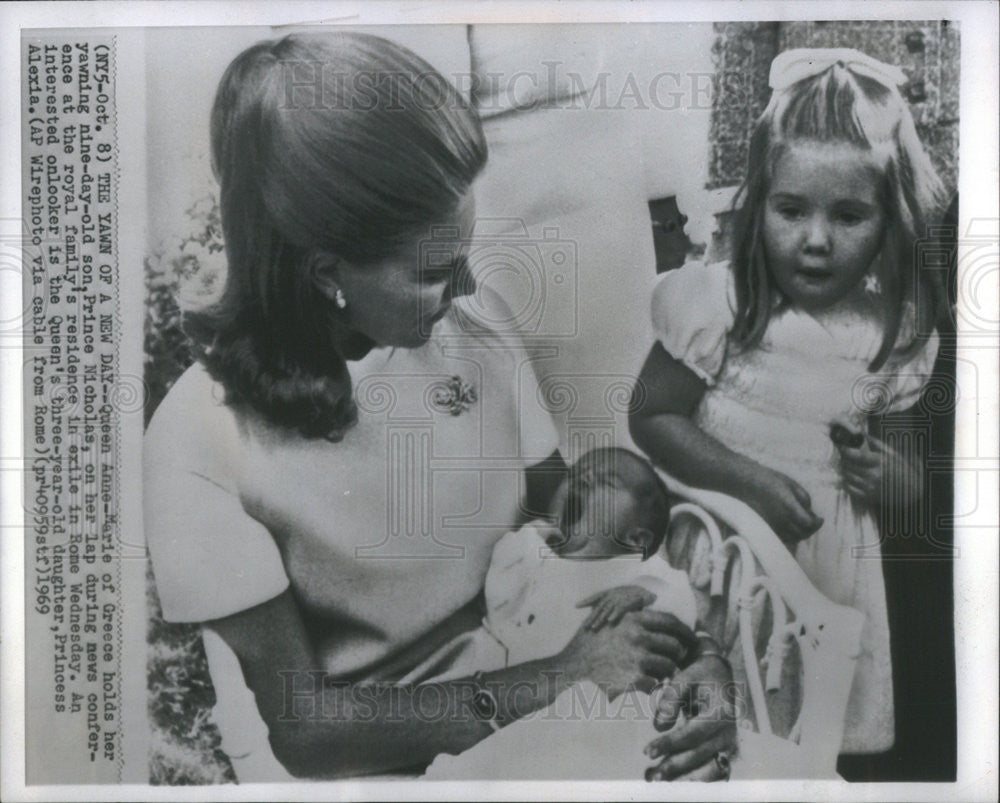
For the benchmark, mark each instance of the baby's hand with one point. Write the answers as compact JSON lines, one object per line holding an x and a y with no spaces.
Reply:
{"x":611,"y":605}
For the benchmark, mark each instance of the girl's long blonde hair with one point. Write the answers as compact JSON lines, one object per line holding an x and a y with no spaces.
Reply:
{"x":838,"y":105}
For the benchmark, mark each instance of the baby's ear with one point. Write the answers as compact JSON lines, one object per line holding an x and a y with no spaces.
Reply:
{"x":553,"y":536}
{"x":638,"y":539}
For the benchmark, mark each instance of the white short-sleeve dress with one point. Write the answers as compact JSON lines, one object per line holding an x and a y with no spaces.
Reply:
{"x":381,"y":537}
{"x":775,"y":403}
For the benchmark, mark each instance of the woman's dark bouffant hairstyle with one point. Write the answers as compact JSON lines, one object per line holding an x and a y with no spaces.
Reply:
{"x":342,"y":144}
{"x":838,"y":105}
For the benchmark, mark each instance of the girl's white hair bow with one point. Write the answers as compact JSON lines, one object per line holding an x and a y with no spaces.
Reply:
{"x":794,"y":65}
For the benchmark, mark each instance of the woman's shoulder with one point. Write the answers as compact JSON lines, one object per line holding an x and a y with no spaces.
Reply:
{"x":486,"y":318}
{"x":192,"y":397}
{"x":485,"y":314}
{"x":192,"y":425}
{"x":211,"y":556}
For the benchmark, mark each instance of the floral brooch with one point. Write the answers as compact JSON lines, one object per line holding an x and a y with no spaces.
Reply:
{"x":453,"y":396}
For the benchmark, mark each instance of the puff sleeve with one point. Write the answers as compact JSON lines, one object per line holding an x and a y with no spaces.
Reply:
{"x":693,"y":313}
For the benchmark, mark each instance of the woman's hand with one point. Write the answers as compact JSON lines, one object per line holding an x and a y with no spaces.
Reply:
{"x":784,"y":504}
{"x":697,"y":746}
{"x":611,"y":605}
{"x":641,"y":650}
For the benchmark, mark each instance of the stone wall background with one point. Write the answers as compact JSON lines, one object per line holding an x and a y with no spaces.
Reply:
{"x":927,"y":51}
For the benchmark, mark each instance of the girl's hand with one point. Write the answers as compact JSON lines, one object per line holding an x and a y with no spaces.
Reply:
{"x":784,"y":504}
{"x":698,"y":746}
{"x":869,"y":468}
{"x":611,"y":605}
{"x":641,"y":650}
{"x":863,"y":469}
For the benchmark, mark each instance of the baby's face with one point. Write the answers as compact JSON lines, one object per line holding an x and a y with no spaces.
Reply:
{"x":598,"y":518}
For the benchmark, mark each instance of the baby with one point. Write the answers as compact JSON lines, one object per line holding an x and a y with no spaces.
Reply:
{"x":592,"y":562}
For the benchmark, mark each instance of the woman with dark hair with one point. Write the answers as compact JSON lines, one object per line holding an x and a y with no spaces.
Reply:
{"x":326,"y":484}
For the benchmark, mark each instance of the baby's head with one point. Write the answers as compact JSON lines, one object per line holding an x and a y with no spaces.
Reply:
{"x":611,"y":503}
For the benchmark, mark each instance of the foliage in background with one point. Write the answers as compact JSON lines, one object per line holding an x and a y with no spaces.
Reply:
{"x":185,"y":743}
{"x":184,"y":272}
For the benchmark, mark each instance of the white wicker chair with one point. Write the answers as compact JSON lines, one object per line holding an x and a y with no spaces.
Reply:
{"x":793,"y":650}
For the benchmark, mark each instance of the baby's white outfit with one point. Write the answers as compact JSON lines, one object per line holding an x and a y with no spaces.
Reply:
{"x":775,"y":403}
{"x":531,"y":598}
{"x":531,"y":602}
{"x":532,"y":593}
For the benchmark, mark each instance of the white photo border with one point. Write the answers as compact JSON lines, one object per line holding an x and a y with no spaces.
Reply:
{"x":976,"y":631}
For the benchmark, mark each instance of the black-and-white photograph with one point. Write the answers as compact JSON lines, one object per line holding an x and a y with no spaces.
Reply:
{"x":535,"y":402}
{"x":441,"y":343}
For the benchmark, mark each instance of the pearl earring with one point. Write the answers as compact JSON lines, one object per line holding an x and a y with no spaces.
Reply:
{"x":339,"y":298}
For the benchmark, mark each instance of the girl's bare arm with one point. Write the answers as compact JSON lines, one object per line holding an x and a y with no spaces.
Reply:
{"x":661,"y":424}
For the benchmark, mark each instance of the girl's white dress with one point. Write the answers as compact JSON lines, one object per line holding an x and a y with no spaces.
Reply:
{"x":775,"y":403}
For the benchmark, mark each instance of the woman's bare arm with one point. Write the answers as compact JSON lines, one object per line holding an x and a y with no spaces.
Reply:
{"x":323,"y":730}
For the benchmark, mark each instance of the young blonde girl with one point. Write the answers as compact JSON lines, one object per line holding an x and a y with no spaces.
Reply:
{"x":770,"y":371}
